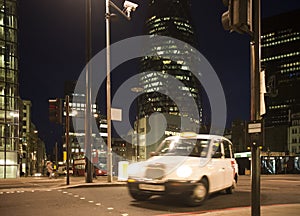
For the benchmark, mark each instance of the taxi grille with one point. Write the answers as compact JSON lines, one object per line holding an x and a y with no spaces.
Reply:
{"x":155,"y":171}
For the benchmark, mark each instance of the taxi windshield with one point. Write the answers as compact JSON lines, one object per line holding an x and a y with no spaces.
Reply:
{"x":184,"y":147}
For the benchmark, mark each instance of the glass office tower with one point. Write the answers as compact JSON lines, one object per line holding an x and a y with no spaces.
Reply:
{"x":168,"y":60}
{"x":9,"y":111}
{"x":169,"y":18}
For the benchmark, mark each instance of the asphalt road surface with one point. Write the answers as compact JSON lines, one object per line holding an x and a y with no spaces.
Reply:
{"x":116,"y":200}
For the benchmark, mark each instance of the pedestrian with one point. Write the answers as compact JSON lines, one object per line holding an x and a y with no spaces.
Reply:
{"x":49,"y":169}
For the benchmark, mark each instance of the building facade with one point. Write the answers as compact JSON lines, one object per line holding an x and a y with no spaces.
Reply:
{"x":294,"y":134}
{"x":239,"y":135}
{"x":173,"y":19}
{"x":77,"y":131}
{"x":9,"y":96}
{"x":32,"y":150}
{"x":281,"y":61}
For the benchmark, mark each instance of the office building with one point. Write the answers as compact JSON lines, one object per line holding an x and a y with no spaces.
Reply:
{"x":168,"y":18}
{"x":281,"y":61}
{"x":9,"y":93}
{"x":77,"y":131}
{"x":294,"y":134}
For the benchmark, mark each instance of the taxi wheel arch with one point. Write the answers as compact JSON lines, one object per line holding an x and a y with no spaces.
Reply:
{"x":199,"y":194}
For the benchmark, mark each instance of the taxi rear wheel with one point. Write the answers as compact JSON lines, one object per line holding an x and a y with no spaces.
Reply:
{"x":199,"y":194}
{"x":230,"y":190}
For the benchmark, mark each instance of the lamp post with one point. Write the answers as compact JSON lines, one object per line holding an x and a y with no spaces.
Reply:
{"x":129,"y":6}
{"x":108,"y":96}
{"x":88,"y":132}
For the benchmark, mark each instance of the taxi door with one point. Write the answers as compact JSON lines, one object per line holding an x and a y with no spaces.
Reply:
{"x":217,"y":167}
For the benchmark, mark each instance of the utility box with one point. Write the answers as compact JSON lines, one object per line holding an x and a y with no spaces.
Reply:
{"x":123,"y":171}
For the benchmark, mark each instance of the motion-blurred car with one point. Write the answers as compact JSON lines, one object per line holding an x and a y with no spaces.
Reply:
{"x":190,"y":166}
{"x":100,"y":170}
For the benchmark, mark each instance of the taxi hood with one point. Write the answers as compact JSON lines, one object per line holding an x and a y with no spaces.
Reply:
{"x":168,"y":164}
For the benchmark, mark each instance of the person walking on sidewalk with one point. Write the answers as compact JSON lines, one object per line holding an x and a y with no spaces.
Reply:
{"x":49,"y":169}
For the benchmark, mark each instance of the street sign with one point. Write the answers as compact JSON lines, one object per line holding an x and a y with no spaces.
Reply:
{"x":116,"y":114}
{"x":254,"y":127}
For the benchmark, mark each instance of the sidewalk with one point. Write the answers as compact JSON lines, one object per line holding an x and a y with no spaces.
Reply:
{"x":60,"y":182}
{"x":269,"y":210}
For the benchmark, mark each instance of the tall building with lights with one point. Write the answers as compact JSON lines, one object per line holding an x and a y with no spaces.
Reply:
{"x":173,"y":19}
{"x":281,"y":61}
{"x":77,"y":132}
{"x":9,"y":98}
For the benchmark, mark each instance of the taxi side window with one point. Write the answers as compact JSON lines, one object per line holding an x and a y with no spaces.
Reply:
{"x":217,"y":153}
{"x":227,"y":149}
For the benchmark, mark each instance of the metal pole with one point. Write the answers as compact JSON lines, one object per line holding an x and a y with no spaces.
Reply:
{"x":56,"y":156}
{"x":108,"y":96}
{"x":6,"y":53}
{"x":137,"y":139}
{"x":88,"y":132}
{"x":67,"y":139}
{"x":255,"y":105}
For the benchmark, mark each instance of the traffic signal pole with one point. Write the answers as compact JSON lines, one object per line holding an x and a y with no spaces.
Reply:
{"x":255,"y":47}
{"x":244,"y":16}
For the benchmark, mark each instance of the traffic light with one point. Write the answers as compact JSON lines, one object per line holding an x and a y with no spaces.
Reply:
{"x":238,"y":17}
{"x":55,"y":110}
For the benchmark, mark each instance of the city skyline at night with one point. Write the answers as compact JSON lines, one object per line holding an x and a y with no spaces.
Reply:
{"x":52,"y":50}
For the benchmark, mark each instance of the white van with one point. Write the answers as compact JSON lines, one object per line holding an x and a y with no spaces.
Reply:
{"x":190,"y":166}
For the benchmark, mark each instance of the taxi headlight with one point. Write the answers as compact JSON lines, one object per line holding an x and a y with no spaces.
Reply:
{"x":184,"y":171}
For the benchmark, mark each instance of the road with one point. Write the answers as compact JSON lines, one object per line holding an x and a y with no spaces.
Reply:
{"x":116,"y":201}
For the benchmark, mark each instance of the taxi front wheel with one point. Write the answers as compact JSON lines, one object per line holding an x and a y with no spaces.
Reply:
{"x":139,"y":196}
{"x":199,"y":193}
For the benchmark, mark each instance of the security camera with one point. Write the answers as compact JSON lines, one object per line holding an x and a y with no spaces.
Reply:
{"x":129,"y":6}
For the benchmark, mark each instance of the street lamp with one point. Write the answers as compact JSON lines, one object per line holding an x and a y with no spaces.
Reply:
{"x":128,"y":7}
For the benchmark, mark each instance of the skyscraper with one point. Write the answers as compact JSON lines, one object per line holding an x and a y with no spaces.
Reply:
{"x":281,"y":61}
{"x":172,"y":19}
{"x":9,"y":111}
{"x":168,"y":18}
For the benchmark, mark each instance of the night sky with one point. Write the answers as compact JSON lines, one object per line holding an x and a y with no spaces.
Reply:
{"x":52,"y":50}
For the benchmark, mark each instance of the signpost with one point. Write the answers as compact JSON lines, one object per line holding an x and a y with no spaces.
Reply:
{"x":254,"y":129}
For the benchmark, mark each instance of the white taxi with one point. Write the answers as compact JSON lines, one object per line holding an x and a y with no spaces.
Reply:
{"x":191,"y":167}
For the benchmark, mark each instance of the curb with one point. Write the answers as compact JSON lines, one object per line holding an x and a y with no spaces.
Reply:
{"x":87,"y":185}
